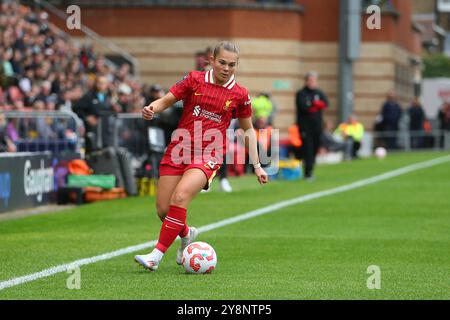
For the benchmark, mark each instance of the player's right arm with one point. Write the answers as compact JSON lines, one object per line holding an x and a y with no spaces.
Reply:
{"x":179,"y":91}
{"x":158,"y":106}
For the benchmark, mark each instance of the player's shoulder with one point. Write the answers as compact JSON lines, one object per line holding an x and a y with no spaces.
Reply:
{"x":242,"y":93}
{"x":197,"y":75}
{"x":240,"y":90}
{"x":192,"y":77}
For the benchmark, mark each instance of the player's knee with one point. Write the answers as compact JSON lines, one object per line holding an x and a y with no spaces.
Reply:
{"x":162,"y":210}
{"x":180,"y":198}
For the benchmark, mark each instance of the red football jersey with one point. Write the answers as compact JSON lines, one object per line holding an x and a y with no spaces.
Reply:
{"x":207,"y":110}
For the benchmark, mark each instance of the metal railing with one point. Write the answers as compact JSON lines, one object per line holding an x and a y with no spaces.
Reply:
{"x":406,"y":140}
{"x":62,"y":130}
{"x":55,"y":131}
{"x":131,"y":132}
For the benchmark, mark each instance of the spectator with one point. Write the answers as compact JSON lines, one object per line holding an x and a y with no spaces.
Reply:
{"x":32,"y":95}
{"x":25,"y":82}
{"x":46,"y":94}
{"x":155,"y":92}
{"x":310,"y":101}
{"x":169,"y":118}
{"x":122,"y":75}
{"x":96,"y":110}
{"x":352,"y":132}
{"x":329,"y":142}
{"x":8,"y":69}
{"x":201,"y":60}
{"x":262,"y":106}
{"x":390,"y":117}
{"x":16,"y":62}
{"x":123,"y":98}
{"x":11,"y":130}
{"x":416,"y":123}
{"x":14,"y":95}
{"x":444,"y":121}
{"x":6,"y":144}
{"x":43,"y":125}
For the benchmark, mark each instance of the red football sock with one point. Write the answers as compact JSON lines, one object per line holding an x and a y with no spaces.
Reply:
{"x":185,"y":231}
{"x":173,"y":224}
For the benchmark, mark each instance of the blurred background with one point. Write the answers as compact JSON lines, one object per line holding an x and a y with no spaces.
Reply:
{"x":73,"y":82}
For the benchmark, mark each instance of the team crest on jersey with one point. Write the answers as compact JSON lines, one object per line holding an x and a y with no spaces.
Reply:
{"x":227,"y":105}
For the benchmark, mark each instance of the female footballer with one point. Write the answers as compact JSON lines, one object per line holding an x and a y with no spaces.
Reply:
{"x":211,"y":99}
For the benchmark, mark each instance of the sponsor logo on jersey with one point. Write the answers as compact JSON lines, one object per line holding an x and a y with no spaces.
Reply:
{"x":199,"y":112}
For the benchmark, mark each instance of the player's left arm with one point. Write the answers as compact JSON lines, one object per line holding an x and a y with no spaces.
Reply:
{"x":251,"y":143}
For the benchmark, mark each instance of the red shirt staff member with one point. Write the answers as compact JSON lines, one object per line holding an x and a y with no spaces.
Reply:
{"x":211,"y":99}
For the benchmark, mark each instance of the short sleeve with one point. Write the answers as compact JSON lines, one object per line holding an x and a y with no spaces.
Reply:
{"x":183,"y":88}
{"x":244,"y":108}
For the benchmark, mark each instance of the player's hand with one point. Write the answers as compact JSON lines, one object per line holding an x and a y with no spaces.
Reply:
{"x":262,"y":176}
{"x":148,"y":112}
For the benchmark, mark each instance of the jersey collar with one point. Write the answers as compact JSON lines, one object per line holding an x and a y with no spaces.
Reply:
{"x":209,"y":78}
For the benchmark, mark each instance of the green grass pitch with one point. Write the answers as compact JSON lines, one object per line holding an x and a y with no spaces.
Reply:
{"x":319,"y":249}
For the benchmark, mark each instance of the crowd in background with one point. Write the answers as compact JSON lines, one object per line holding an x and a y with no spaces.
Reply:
{"x":41,"y":69}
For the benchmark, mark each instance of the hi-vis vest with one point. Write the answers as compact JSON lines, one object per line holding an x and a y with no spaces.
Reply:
{"x":354,"y":130}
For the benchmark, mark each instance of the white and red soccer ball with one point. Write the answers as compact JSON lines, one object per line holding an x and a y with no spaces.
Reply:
{"x":380,"y":152}
{"x":199,"y":257}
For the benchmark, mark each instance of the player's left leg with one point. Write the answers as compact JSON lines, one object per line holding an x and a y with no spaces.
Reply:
{"x":191,"y":183}
{"x":188,"y":236}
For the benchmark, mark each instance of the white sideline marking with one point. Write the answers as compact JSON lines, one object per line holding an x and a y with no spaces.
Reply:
{"x":106,"y":256}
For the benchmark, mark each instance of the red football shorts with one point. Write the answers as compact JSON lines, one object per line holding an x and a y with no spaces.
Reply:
{"x":209,"y":168}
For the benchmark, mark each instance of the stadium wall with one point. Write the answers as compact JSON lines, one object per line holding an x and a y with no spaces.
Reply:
{"x":278,"y":47}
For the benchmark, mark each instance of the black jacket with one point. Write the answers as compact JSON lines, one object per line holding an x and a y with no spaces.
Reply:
{"x":416,"y":118}
{"x":90,"y":105}
{"x":304,"y":101}
{"x":391,"y":113}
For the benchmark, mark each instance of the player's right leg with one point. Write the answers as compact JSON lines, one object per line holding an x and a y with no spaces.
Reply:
{"x":166,"y":187}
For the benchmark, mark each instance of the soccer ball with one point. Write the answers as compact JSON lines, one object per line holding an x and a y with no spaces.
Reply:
{"x":199,"y":257}
{"x":380,"y":152}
